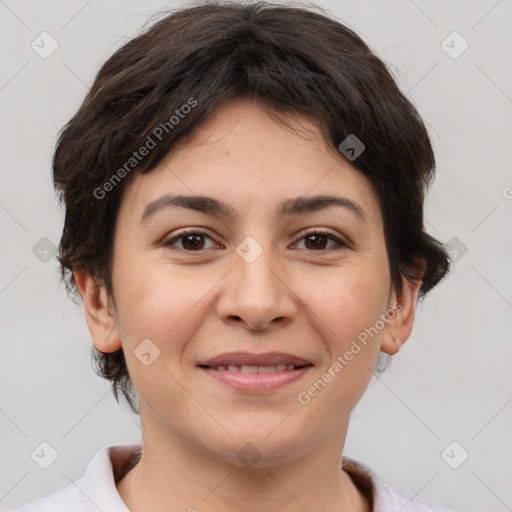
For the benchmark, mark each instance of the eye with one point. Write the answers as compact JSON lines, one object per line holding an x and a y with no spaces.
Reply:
{"x":192,"y":240}
{"x":316,"y":240}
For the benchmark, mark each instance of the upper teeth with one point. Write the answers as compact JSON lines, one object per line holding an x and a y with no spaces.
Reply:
{"x":256,"y":369}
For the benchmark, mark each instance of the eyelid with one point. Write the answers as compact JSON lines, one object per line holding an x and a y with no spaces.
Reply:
{"x":341,"y":242}
{"x":184,"y":232}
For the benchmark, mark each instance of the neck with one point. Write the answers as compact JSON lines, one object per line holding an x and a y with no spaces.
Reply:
{"x":174,"y":475}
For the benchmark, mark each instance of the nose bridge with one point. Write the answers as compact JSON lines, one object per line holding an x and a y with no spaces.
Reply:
{"x":254,"y":270}
{"x":258,"y":273}
{"x":255,"y":291}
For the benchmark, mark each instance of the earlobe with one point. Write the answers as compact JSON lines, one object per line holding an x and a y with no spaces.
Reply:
{"x":399,"y":328}
{"x":391,"y":346}
{"x":99,"y":312}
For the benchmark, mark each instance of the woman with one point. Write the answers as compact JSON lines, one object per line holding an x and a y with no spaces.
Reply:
{"x":244,"y":189}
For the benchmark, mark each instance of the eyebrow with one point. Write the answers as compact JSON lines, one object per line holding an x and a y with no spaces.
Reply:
{"x":296,"y":206}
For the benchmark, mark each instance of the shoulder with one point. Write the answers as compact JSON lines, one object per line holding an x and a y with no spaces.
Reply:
{"x":96,"y":489}
{"x":406,"y":502}
{"x":385,"y":497}
{"x":68,"y":498}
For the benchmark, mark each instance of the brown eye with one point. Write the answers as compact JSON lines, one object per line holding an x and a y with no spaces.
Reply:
{"x":317,"y":241}
{"x":191,"y":241}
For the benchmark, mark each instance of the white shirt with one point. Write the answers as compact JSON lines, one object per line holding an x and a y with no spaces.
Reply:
{"x":97,"y":490}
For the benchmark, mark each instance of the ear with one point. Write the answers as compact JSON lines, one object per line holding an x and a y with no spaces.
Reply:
{"x":399,"y":327}
{"x":99,"y":312}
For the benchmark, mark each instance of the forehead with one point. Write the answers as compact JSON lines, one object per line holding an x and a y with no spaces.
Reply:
{"x":244,"y":157}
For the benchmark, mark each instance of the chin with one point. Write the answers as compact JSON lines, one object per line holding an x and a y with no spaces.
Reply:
{"x":258,"y":447}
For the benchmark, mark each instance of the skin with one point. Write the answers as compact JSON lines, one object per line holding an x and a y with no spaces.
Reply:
{"x":194,"y":304}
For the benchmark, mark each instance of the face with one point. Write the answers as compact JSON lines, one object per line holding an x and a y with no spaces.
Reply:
{"x":272,"y":276}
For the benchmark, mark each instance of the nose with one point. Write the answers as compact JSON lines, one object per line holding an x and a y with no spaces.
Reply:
{"x":257,"y":295}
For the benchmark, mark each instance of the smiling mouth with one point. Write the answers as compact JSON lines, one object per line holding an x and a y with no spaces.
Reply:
{"x":256,"y":379}
{"x":255,"y":369}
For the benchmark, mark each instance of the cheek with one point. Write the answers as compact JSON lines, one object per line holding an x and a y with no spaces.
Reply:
{"x":163,"y":304}
{"x":158,"y":314}
{"x":355,"y":306}
{"x":347,"y":301}
{"x":155,"y":307}
{"x":345,"y":308}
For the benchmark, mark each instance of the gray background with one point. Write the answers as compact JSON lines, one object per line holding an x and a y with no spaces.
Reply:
{"x":450,"y":382}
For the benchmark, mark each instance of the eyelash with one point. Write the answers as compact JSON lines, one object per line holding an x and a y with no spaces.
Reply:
{"x":192,"y":231}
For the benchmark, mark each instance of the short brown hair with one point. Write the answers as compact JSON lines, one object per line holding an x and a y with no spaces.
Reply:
{"x":293,"y":58}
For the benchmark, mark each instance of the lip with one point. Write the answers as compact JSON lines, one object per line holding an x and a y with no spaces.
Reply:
{"x":256,"y":382}
{"x":253,"y":359}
